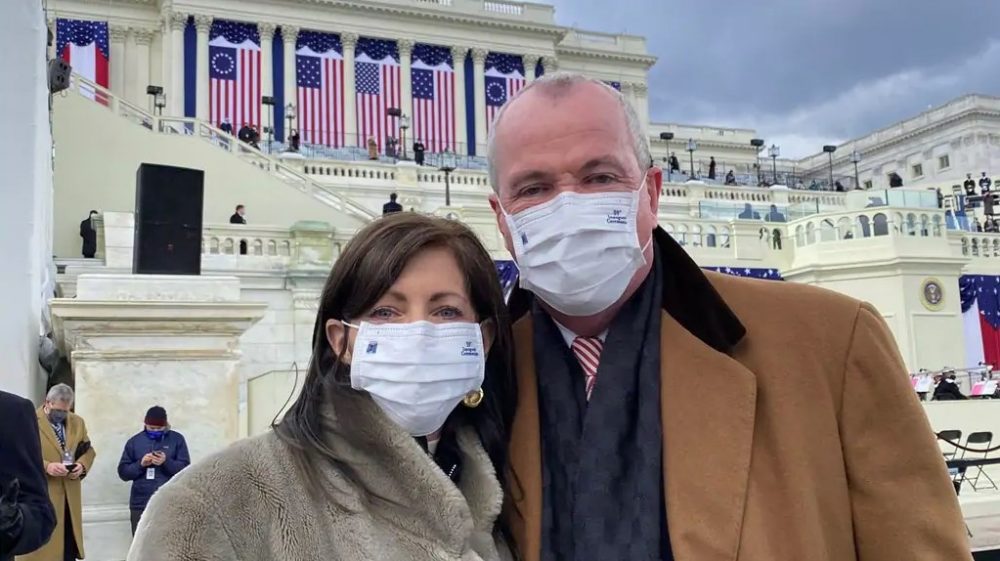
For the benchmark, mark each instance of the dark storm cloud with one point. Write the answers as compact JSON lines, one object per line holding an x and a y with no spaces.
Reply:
{"x":804,"y":72}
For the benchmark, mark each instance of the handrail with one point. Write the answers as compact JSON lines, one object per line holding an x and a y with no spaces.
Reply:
{"x":241,"y":149}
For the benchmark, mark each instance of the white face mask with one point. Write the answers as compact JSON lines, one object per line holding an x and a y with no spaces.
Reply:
{"x":578,"y":252}
{"x":418,"y":372}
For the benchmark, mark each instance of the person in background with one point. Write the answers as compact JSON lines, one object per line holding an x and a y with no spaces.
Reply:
{"x":675,"y":164}
{"x":947,"y":389}
{"x":150,"y":459}
{"x":615,"y":453}
{"x":418,"y":152}
{"x":711,"y":167}
{"x":89,"y":235}
{"x":391,"y":206}
{"x":976,"y":224}
{"x":67,"y":455}
{"x":226,"y":126}
{"x":295,"y":140}
{"x":372,"y":149}
{"x":239,"y":217}
{"x":245,"y":133}
{"x":26,"y":515}
{"x":940,"y":197}
{"x":730,"y":178}
{"x":984,"y":184}
{"x":969,"y":185}
{"x":397,"y":443}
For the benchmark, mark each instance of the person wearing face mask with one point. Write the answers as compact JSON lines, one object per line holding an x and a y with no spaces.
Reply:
{"x":662,"y":411}
{"x":395,"y":446}
{"x":67,"y":456}
{"x":151,"y":458}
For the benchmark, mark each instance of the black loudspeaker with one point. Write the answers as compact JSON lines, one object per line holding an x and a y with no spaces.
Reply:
{"x":59,"y":71}
{"x":168,"y":211}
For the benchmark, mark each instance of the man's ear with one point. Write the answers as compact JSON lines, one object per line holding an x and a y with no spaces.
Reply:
{"x":502,"y":224}
{"x":336,"y":337}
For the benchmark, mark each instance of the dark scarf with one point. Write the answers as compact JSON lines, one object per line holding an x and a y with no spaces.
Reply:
{"x":602,"y":462}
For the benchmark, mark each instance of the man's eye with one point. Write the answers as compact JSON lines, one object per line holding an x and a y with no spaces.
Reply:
{"x":602,"y":179}
{"x":531,"y":191}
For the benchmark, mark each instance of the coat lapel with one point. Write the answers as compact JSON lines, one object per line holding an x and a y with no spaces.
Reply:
{"x":524,"y":505}
{"x":708,"y":403}
{"x":46,"y":429}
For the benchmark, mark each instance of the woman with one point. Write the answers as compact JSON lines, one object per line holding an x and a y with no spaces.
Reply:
{"x":393,"y":448}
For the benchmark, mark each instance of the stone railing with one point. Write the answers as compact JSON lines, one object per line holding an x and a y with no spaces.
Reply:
{"x":980,"y":245}
{"x":305,"y":245}
{"x":867,"y":223}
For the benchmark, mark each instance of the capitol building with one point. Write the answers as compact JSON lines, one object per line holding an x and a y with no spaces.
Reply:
{"x":307,"y":113}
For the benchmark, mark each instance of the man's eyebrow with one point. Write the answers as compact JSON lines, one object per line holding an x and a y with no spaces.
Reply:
{"x":528,"y":176}
{"x":603,"y":161}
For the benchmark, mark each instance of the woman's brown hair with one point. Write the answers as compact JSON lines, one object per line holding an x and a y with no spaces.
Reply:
{"x":369,"y":265}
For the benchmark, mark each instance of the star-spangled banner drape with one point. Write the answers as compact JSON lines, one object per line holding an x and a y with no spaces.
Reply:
{"x":319,"y":68}
{"x":615,"y":85}
{"x":234,"y":72}
{"x":754,"y":273}
{"x":433,"y":88}
{"x":504,"y":78}
{"x":508,"y":273}
{"x":377,"y":82}
{"x":84,"y":45}
{"x":983,"y":291}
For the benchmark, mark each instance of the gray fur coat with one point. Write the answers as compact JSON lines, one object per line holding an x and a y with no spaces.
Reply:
{"x":390,"y":501}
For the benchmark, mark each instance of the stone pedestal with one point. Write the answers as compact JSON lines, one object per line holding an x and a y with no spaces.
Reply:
{"x":135,"y":341}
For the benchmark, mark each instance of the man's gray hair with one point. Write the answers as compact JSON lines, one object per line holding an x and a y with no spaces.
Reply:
{"x":560,"y":83}
{"x":60,"y":393}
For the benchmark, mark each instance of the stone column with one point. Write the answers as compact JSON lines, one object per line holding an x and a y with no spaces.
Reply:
{"x":135,"y":341}
{"x":530,"y":61}
{"x":203,"y":25}
{"x":458,"y":63}
{"x":118,"y":56}
{"x":290,"y":35}
{"x":139,"y":68}
{"x":550,"y":64}
{"x":479,"y":87}
{"x":175,"y":93}
{"x":266,"y":31}
{"x":349,"y":41}
{"x":640,"y":90}
{"x":406,"y":77}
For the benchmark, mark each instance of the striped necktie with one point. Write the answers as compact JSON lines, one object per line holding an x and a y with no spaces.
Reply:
{"x":588,"y":352}
{"x":60,"y":433}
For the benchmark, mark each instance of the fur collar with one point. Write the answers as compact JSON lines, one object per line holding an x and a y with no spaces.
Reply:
{"x":392,"y":477}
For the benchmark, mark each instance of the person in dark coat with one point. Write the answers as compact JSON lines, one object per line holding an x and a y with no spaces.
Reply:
{"x":391,"y":206}
{"x":89,"y":235}
{"x":675,"y":164}
{"x":226,"y":126}
{"x":238,"y":217}
{"x":711,"y":168}
{"x":26,"y":515}
{"x":295,"y":140}
{"x":948,"y":390}
{"x":969,"y":185}
{"x":418,"y":152}
{"x":150,"y":459}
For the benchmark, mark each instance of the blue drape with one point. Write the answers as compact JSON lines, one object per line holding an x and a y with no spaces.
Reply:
{"x":984,"y":289}
{"x":769,"y":274}
{"x":507,"y":270}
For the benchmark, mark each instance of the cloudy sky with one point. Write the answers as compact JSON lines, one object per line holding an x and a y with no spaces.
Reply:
{"x":804,"y":72}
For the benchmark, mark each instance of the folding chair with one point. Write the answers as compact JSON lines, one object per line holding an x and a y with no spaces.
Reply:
{"x":947,"y":448}
{"x":984,"y":438}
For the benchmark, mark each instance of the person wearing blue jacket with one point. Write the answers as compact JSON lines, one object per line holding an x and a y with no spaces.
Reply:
{"x":150,"y":459}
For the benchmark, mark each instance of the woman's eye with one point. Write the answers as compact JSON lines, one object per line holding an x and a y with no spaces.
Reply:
{"x":450,"y":313}
{"x":381,"y":313}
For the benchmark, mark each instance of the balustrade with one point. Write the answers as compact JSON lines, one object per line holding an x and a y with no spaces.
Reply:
{"x":868,"y":223}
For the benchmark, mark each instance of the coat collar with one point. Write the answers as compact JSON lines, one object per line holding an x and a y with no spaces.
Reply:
{"x":45,"y":427}
{"x":392,"y":475}
{"x":688,"y":296}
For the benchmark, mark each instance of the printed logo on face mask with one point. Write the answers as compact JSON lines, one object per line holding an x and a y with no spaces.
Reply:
{"x":524,"y":239}
{"x":469,"y":349}
{"x":372,"y":348}
{"x":618,"y":217}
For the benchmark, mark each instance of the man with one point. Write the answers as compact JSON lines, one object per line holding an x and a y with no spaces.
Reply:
{"x":984,"y":184}
{"x":239,"y":217}
{"x":89,"y":235}
{"x":662,"y":413}
{"x":969,"y":185}
{"x":675,"y":164}
{"x":150,"y":459}
{"x":391,"y":206}
{"x":245,"y":133}
{"x":26,"y":515}
{"x":418,"y":152}
{"x":948,"y":390}
{"x":67,"y":456}
{"x":711,"y":168}
{"x":226,"y":126}
{"x":730,"y":178}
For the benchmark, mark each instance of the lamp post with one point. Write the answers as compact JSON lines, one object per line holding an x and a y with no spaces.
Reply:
{"x":691,"y":147}
{"x":155,"y":93}
{"x":404,"y":123}
{"x":290,"y":116}
{"x":448,"y":165}
{"x":268,"y":101}
{"x":855,"y":158}
{"x":758,"y":145}
{"x":667,"y":137}
{"x":830,"y":149}
{"x":774,"y":152}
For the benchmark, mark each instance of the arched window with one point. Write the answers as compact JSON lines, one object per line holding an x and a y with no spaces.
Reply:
{"x":800,"y":238}
{"x":911,"y":224}
{"x":925,"y":222}
{"x":844,"y":228}
{"x":827,"y":231}
{"x":710,"y":236}
{"x":936,"y":229}
{"x":865,"y":226}
{"x":810,"y":233}
{"x":881,"y":224}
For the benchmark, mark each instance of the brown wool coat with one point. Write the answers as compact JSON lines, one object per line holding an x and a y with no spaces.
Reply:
{"x":790,"y":430}
{"x":62,"y":490}
{"x":388,"y":500}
